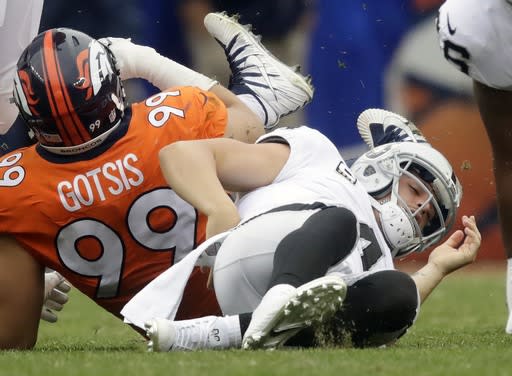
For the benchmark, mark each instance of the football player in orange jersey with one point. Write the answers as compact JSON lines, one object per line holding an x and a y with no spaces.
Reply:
{"x":100,"y":211}
{"x":19,"y":21}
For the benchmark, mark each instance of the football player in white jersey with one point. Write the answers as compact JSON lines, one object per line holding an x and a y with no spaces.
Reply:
{"x":475,"y":36}
{"x":19,"y":24}
{"x":307,"y":226}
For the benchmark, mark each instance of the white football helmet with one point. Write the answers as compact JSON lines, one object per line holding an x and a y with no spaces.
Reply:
{"x":380,"y":169}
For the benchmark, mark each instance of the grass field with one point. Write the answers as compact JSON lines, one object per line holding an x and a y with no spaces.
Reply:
{"x":459,"y":332}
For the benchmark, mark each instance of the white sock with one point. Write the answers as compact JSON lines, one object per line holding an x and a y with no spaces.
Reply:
{"x":208,"y":332}
{"x":266,"y":114}
{"x":508,"y":285}
{"x":229,"y":327}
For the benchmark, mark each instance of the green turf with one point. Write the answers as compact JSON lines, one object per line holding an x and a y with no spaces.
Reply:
{"x":459,"y":332}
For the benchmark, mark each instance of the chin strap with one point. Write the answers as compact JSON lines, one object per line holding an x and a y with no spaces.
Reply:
{"x":395,"y":224}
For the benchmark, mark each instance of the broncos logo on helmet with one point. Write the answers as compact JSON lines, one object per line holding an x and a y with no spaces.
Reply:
{"x":68,"y":90}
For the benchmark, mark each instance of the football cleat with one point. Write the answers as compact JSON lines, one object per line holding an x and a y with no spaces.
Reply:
{"x":285,"y":310}
{"x":378,"y":127}
{"x":280,"y":89}
{"x":187,"y":335}
{"x":508,"y":328}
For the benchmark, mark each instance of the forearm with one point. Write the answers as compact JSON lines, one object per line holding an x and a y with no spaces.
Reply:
{"x":190,"y":170}
{"x":136,"y":61}
{"x":426,"y":280}
{"x":243,"y":124}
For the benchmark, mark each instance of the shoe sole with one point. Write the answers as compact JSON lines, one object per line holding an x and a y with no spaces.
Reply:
{"x":304,"y":83}
{"x":508,"y":327}
{"x":377,"y":115}
{"x":153,"y":333}
{"x":314,"y":302}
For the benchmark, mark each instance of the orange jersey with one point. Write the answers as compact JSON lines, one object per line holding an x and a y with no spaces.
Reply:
{"x":106,"y":219}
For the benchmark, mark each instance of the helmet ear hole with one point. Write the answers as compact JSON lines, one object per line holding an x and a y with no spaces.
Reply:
{"x":68,"y":90}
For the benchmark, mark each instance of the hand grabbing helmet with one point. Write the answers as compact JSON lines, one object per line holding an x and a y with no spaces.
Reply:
{"x":68,"y":90}
{"x":380,"y":170}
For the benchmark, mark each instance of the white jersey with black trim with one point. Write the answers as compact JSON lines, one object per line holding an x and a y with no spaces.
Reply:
{"x":316,"y":172}
{"x":19,"y":23}
{"x":476,"y":36}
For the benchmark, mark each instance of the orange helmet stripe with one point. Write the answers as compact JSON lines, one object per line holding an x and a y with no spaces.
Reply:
{"x":68,"y":123}
{"x":49,"y":92}
{"x":71,"y":109}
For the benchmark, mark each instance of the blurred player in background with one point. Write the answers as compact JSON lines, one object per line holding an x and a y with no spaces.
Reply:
{"x":475,"y":36}
{"x":19,"y":24}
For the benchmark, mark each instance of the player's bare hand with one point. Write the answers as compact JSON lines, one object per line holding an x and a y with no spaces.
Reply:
{"x":460,"y":249}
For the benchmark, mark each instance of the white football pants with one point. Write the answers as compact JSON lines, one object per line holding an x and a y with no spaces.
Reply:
{"x":244,"y":263}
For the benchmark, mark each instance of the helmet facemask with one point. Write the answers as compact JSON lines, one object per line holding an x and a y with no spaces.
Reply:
{"x":381,"y":171}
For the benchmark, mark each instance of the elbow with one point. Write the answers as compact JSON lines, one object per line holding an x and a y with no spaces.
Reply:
{"x":173,"y":151}
{"x":169,"y":154}
{"x":173,"y":160}
{"x":167,"y":150}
